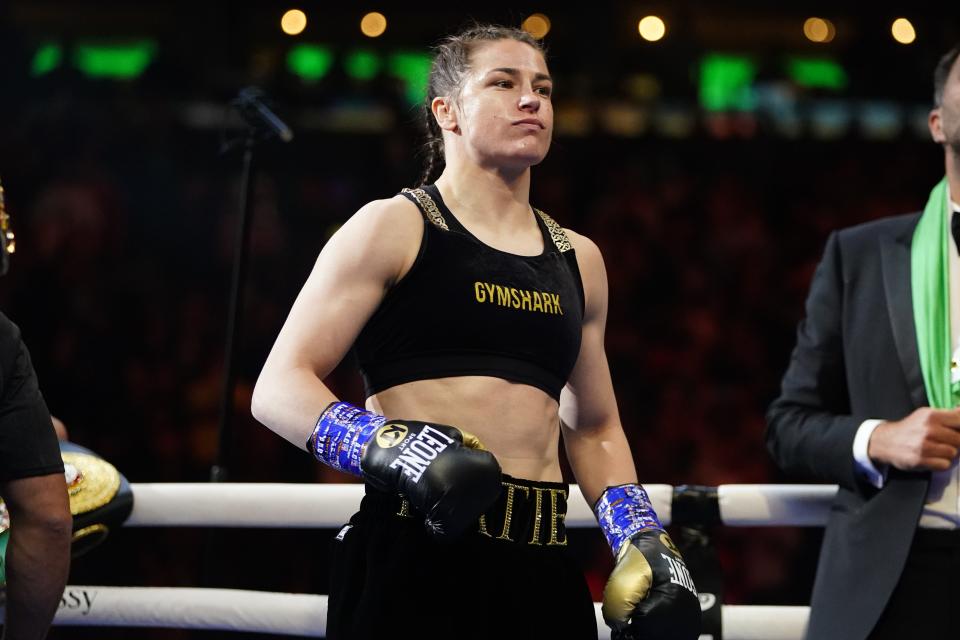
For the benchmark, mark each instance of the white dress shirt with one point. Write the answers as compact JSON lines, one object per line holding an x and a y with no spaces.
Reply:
{"x":942,"y":508}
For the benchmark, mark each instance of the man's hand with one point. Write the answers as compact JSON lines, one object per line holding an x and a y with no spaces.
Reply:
{"x":926,"y":440}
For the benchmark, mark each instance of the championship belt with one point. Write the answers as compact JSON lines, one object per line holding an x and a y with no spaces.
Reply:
{"x":100,"y":500}
{"x":100,"y":497}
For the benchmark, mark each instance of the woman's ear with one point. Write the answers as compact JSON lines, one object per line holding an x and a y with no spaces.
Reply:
{"x":444,"y":110}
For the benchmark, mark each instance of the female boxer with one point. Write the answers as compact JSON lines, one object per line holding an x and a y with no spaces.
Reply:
{"x":471,"y":313}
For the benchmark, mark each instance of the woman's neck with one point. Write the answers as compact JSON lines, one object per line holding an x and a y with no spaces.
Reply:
{"x":500,"y":199}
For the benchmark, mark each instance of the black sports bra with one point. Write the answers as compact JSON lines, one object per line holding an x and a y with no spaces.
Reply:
{"x":467,"y":309}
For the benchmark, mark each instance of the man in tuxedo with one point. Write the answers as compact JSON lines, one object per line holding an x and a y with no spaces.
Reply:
{"x":869,"y":402}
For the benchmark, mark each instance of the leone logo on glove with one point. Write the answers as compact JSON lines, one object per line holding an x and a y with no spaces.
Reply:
{"x":390,"y":435}
{"x":678,"y":568}
{"x":418,"y":452}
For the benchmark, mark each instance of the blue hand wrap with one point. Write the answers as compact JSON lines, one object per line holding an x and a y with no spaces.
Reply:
{"x":340,"y":434}
{"x":623,"y":512}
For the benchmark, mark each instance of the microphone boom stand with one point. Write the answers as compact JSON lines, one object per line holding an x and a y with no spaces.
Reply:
{"x":262,"y":124}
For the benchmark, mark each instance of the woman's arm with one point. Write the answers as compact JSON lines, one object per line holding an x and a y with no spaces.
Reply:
{"x":362,"y":260}
{"x":358,"y":265}
{"x":592,"y":433}
{"x":650,"y":592}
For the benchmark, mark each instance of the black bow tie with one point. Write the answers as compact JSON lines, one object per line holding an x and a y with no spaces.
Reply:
{"x":955,"y":228}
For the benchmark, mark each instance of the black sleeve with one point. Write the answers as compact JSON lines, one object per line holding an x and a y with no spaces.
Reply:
{"x":810,"y":430}
{"x":28,"y":442}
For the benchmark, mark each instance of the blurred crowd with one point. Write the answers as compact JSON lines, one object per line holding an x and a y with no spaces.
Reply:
{"x":125,"y":220}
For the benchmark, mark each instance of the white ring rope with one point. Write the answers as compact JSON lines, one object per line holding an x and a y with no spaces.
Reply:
{"x":305,"y":615}
{"x":331,"y":505}
{"x":773,"y":505}
{"x":291,"y":614}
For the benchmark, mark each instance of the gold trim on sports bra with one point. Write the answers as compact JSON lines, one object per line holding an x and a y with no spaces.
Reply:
{"x":430,"y":207}
{"x":557,"y":234}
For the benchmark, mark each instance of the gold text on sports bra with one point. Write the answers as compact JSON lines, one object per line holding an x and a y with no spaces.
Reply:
{"x":541,"y":301}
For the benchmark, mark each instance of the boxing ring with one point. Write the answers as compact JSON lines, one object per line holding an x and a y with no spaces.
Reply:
{"x":296,"y":506}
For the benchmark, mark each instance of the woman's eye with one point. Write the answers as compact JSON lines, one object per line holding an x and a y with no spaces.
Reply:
{"x":545,"y":91}
{"x":506,"y":84}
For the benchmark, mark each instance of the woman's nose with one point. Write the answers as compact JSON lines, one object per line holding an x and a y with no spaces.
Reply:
{"x":529,"y":101}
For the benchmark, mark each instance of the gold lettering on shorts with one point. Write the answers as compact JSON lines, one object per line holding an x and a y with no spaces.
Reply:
{"x":483,"y":526}
{"x":523,"y":299}
{"x":508,"y":514}
{"x":557,"y":517}
{"x":537,"y":516}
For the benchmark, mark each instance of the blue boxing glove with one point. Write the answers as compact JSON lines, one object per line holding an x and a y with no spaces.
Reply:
{"x":444,"y":472}
{"x":649,"y":594}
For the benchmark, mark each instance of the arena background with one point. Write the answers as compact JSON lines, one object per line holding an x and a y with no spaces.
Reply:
{"x":709,"y":166}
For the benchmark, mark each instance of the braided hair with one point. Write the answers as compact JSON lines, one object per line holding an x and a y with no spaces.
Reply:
{"x":451,"y":63}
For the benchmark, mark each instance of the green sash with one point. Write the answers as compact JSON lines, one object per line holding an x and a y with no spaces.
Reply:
{"x":930,"y":281}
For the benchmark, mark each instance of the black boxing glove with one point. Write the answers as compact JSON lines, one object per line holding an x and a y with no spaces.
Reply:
{"x":650,"y":594}
{"x":444,"y":472}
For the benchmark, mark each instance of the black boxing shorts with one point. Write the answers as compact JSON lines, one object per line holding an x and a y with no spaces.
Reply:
{"x":511,"y":576}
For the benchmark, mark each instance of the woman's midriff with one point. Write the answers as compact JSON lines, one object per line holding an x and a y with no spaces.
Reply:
{"x":518,"y":423}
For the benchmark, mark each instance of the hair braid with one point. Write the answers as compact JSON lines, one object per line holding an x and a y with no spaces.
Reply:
{"x":432,"y":149}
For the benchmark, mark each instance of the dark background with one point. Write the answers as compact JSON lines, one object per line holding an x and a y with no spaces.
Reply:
{"x":710,"y":221}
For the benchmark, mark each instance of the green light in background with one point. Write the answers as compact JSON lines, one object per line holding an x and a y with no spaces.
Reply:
{"x":817,"y":73}
{"x":114,"y":60}
{"x":310,"y":61}
{"x":362,"y":64}
{"x":414,"y":70}
{"x":46,"y":59}
{"x":725,"y":83}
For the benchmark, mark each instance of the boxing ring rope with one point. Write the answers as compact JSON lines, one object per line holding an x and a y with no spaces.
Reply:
{"x":296,"y":614}
{"x":330,"y":505}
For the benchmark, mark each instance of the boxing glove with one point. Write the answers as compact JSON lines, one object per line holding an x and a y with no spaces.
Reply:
{"x":650,"y":594}
{"x":444,"y":472}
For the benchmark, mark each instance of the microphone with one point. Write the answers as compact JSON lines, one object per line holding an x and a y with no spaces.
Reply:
{"x":250,"y":103}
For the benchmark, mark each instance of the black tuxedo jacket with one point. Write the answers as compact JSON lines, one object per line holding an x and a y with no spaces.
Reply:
{"x":856,"y":358}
